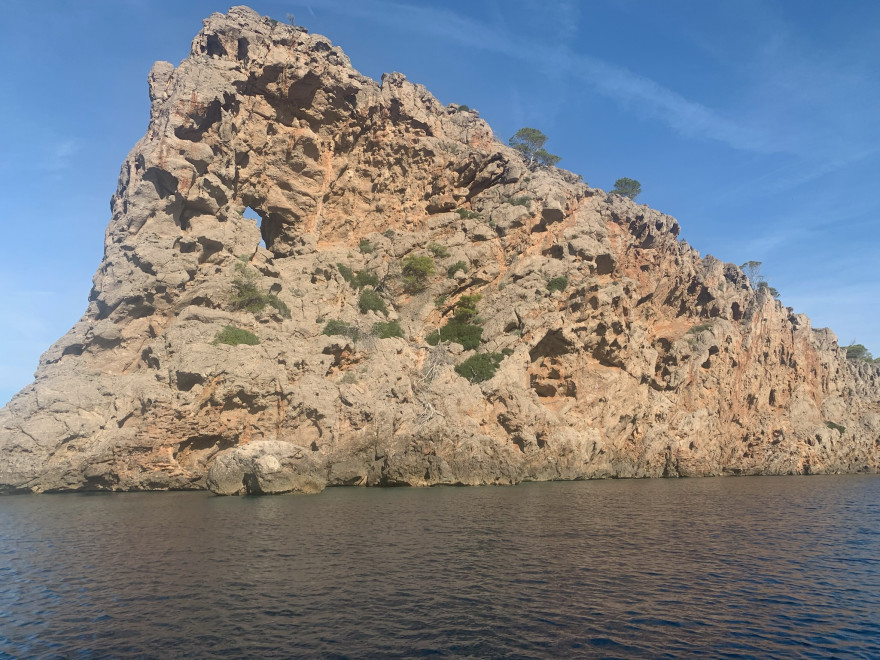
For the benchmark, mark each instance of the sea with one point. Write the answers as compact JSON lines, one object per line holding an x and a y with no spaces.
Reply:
{"x":770,"y":567}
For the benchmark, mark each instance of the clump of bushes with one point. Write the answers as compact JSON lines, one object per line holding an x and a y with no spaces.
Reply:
{"x":340,"y":328}
{"x":439,"y":251}
{"x":464,"y":214}
{"x":384,"y":330}
{"x":247,"y":296}
{"x":274,"y":301}
{"x":365,"y":246}
{"x":462,"y":108}
{"x":627,"y":188}
{"x":469,"y":336}
{"x":370,"y":301}
{"x":466,"y":308}
{"x":359,"y":279}
{"x":479,"y":367}
{"x":365,"y":278}
{"x":557,"y":284}
{"x":858,"y":352}
{"x":346,"y":272}
{"x":457,"y":266}
{"x":694,"y":329}
{"x":836,"y":427}
{"x":519,"y":201}
{"x":462,"y":328}
{"x":416,"y":271}
{"x":234,"y":336}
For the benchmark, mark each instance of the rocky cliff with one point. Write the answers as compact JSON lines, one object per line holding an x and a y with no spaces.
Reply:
{"x":426,"y":309}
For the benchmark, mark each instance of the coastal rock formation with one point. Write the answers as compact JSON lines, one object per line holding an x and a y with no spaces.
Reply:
{"x":311,"y":348}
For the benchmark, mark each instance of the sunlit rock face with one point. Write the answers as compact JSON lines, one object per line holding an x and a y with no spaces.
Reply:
{"x":643,"y":360}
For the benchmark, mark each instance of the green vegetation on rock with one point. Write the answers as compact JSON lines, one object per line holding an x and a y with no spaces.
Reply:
{"x":694,"y":329}
{"x":370,"y":301}
{"x":530,"y":143}
{"x":469,"y":336}
{"x":463,"y":328}
{"x":627,"y":188}
{"x":439,"y":251}
{"x":416,"y":271}
{"x":365,"y":246}
{"x":466,"y":308}
{"x":479,"y":367}
{"x":457,"y":266}
{"x":247,"y":296}
{"x":557,"y":284}
{"x":836,"y":427}
{"x":234,"y":336}
{"x":858,"y":352}
{"x":359,"y":279}
{"x":386,"y":330}
{"x":336,"y":327}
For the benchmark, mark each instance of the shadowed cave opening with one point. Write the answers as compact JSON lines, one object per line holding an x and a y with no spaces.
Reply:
{"x":250,"y":214}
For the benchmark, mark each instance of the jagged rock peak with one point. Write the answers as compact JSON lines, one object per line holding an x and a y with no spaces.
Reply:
{"x":415,"y":306}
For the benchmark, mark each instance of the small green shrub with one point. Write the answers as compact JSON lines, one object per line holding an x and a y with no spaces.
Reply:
{"x":480,"y":367}
{"x":558,"y":284}
{"x":247,"y":296}
{"x":370,"y":301}
{"x":440,"y":301}
{"x":365,"y":246}
{"x":335,"y":327}
{"x":277,"y":303}
{"x":699,"y":328}
{"x":836,"y":427}
{"x":858,"y":352}
{"x":360,"y":279}
{"x":346,"y":272}
{"x":387,"y":330}
{"x":388,"y":233}
{"x":457,"y":266}
{"x":467,"y":335}
{"x":439,"y":251}
{"x":519,"y":201}
{"x":416,"y":271}
{"x":365,"y":278}
{"x":349,"y":378}
{"x":235,"y":336}
{"x":506,"y":351}
{"x":462,"y":108}
{"x":466,"y":308}
{"x":464,"y":214}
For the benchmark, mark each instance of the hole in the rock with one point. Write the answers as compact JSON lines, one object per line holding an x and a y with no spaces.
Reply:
{"x":250,"y":214}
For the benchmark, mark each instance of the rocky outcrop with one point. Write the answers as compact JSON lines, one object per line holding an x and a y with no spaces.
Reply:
{"x":642,"y":359}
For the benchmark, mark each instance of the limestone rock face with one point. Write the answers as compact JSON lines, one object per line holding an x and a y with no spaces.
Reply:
{"x":644,"y":361}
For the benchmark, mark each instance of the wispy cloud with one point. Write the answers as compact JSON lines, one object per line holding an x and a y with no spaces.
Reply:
{"x":59,"y":155}
{"x":638,"y":94}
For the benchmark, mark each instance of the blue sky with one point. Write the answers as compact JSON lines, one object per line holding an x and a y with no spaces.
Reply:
{"x":756,"y":123}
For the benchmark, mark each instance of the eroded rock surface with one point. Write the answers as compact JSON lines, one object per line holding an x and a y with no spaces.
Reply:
{"x":649,"y":361}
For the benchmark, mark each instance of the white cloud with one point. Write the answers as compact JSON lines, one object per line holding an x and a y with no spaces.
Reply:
{"x":636,"y":93}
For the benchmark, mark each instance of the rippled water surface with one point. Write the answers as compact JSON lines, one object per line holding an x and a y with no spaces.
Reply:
{"x":786,"y":567}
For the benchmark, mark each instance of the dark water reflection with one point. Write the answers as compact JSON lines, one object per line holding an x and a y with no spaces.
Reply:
{"x":786,"y":567}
